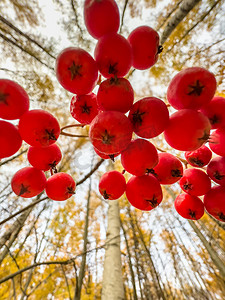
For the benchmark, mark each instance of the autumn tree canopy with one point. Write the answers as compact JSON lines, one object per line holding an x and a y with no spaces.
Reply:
{"x":88,"y":247}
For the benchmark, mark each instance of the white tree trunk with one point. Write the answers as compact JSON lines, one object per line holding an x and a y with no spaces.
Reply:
{"x":112,"y":285}
{"x":185,"y":7}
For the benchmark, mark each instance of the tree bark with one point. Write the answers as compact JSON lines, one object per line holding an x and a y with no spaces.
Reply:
{"x":155,"y":275}
{"x":130,"y":264}
{"x":185,"y":7}
{"x":11,"y":234}
{"x":112,"y":285}
{"x":215,"y":258}
{"x":79,"y":282}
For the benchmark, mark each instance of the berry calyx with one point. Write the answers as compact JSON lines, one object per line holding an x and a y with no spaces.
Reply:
{"x":110,"y":132}
{"x":112,"y":185}
{"x":189,"y":206}
{"x":139,"y":156}
{"x":60,"y":186}
{"x":191,"y":88}
{"x":39,"y":128}
{"x":214,"y":202}
{"x":10,"y":139}
{"x":28,"y":182}
{"x":199,"y":157}
{"x":144,"y":192}
{"x":14,"y":100}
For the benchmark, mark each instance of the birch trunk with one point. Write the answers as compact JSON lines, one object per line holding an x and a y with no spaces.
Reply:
{"x":212,"y":253}
{"x":185,"y":7}
{"x":112,"y":285}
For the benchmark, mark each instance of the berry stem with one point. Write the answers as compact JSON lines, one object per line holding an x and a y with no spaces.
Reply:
{"x":70,"y":134}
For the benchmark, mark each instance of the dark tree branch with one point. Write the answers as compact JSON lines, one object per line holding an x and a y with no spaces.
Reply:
{"x":25,"y":35}
{"x":98,"y":164}
{"x":12,"y":158}
{"x":65,"y":262}
{"x":24,"y":50}
{"x":76,"y":18}
{"x":123,"y":13}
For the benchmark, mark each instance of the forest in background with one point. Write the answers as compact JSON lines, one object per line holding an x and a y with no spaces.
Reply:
{"x":88,"y":247}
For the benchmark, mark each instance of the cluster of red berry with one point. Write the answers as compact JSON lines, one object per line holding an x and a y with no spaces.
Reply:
{"x":115,"y":119}
{"x":40,"y":130}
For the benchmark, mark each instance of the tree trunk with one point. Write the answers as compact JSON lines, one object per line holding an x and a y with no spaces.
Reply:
{"x":112,"y":285}
{"x":79,"y":282}
{"x":185,"y":7}
{"x":11,"y":234}
{"x":130,"y":264}
{"x":155,"y":276}
{"x":215,"y":258}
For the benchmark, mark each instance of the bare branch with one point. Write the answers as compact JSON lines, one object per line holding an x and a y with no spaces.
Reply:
{"x":12,"y":158}
{"x":65,"y":262}
{"x":23,"y":209}
{"x":25,"y":35}
{"x":24,"y":50}
{"x":123,"y":13}
{"x":98,"y":164}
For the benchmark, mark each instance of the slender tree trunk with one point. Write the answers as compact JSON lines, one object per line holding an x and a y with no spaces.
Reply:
{"x":112,"y":285}
{"x":79,"y":282}
{"x":155,"y":276}
{"x":215,"y":258}
{"x":185,"y":7}
{"x":11,"y":234}
{"x":136,"y":244}
{"x":130,"y":264}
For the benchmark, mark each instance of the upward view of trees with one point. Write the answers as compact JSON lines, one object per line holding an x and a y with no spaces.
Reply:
{"x":87,"y":247}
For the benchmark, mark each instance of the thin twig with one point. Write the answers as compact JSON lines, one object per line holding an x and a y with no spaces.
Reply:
{"x":70,"y":134}
{"x":65,"y":262}
{"x":22,"y":210}
{"x":123,"y":13}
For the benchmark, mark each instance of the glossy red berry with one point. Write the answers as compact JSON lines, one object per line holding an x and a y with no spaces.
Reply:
{"x":14,"y":100}
{"x":115,"y":94}
{"x":76,"y":70}
{"x":110,"y":132}
{"x":113,"y":55}
{"x":195,"y":182}
{"x":39,"y":128}
{"x":191,"y":88}
{"x":84,"y":108}
{"x":28,"y":182}
{"x":144,"y":192}
{"x":214,"y":202}
{"x":112,"y":185}
{"x":217,"y":141}
{"x":44,"y":158}
{"x":60,"y":186}
{"x":139,"y":156}
{"x":101,"y":17}
{"x":215,"y":111}
{"x":149,"y":117}
{"x":216,"y":170}
{"x":189,"y":206}
{"x":187,"y":130}
{"x":168,"y":170}
{"x":145,"y":47}
{"x":199,"y":157}
{"x":10,"y":139}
